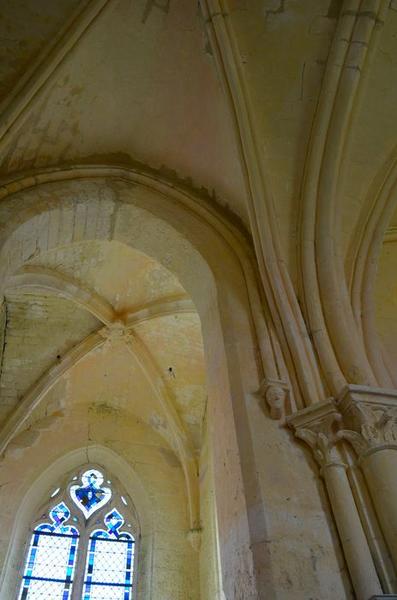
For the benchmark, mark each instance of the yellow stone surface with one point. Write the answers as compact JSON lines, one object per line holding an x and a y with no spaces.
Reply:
{"x":198,"y":268}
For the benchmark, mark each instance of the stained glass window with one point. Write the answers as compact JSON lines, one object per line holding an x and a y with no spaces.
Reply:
{"x":90,"y":496}
{"x":51,"y":559}
{"x":103,"y":569}
{"x":110,"y":562}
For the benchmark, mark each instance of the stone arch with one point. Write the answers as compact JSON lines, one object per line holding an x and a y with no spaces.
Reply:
{"x":212,"y":260}
{"x":188,"y":212}
{"x":382,"y":199}
{"x":30,"y":500}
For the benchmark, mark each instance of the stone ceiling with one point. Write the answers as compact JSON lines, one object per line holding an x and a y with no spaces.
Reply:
{"x":152,"y":371}
{"x":140,"y":86}
{"x":26,"y":28}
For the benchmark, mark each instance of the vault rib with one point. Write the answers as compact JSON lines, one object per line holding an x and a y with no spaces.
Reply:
{"x":44,"y":384}
{"x":21,"y":100}
{"x":32,"y":278}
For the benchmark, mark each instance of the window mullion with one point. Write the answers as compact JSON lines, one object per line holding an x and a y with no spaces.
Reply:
{"x":77,"y":589}
{"x":114,"y":564}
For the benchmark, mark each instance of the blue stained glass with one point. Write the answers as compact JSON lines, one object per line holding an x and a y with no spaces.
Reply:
{"x":91,"y":495}
{"x":51,"y":558}
{"x":110,"y":562}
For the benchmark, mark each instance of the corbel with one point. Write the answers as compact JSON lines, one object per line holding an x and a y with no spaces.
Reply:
{"x":276,"y":393}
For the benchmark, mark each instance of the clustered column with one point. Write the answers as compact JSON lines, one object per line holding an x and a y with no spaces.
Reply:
{"x":316,"y":426}
{"x":370,"y":425}
{"x":366,"y":418}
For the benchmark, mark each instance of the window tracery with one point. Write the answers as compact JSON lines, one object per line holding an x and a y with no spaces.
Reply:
{"x":90,"y":496}
{"x":79,"y":548}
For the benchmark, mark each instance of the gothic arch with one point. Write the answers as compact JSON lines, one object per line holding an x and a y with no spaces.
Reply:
{"x":31,"y":499}
{"x":211,"y":259}
{"x":323,"y":284}
{"x":382,"y":202}
{"x":112,"y":187}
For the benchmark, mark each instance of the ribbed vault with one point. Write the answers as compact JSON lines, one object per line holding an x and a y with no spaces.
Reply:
{"x":119,"y":308}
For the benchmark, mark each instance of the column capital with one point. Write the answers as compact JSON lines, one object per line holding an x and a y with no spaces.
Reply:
{"x":369,"y":418}
{"x":315,"y":425}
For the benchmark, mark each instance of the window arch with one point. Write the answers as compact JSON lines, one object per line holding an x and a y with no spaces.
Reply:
{"x":83,"y":545}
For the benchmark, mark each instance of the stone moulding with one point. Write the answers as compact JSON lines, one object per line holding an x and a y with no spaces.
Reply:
{"x":325,"y":294}
{"x":381,"y":205}
{"x":281,"y":298}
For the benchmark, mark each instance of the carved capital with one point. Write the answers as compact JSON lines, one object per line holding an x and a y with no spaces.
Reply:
{"x":369,"y":418}
{"x":316,"y":425}
{"x":275,"y":392}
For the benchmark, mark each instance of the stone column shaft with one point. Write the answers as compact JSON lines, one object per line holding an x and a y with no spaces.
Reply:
{"x":354,"y":542}
{"x":370,"y":418}
{"x":380,"y":471}
{"x":314,"y":425}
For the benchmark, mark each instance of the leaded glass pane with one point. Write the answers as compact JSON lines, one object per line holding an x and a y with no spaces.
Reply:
{"x":110,"y":562}
{"x":50,"y":564}
{"x":40,"y":590}
{"x":99,"y":592}
{"x":90,"y":496}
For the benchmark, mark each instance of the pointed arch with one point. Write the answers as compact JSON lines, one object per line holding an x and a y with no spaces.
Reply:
{"x":27,"y":506}
{"x":213,"y":260}
{"x":382,"y":202}
{"x":35,"y":278}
